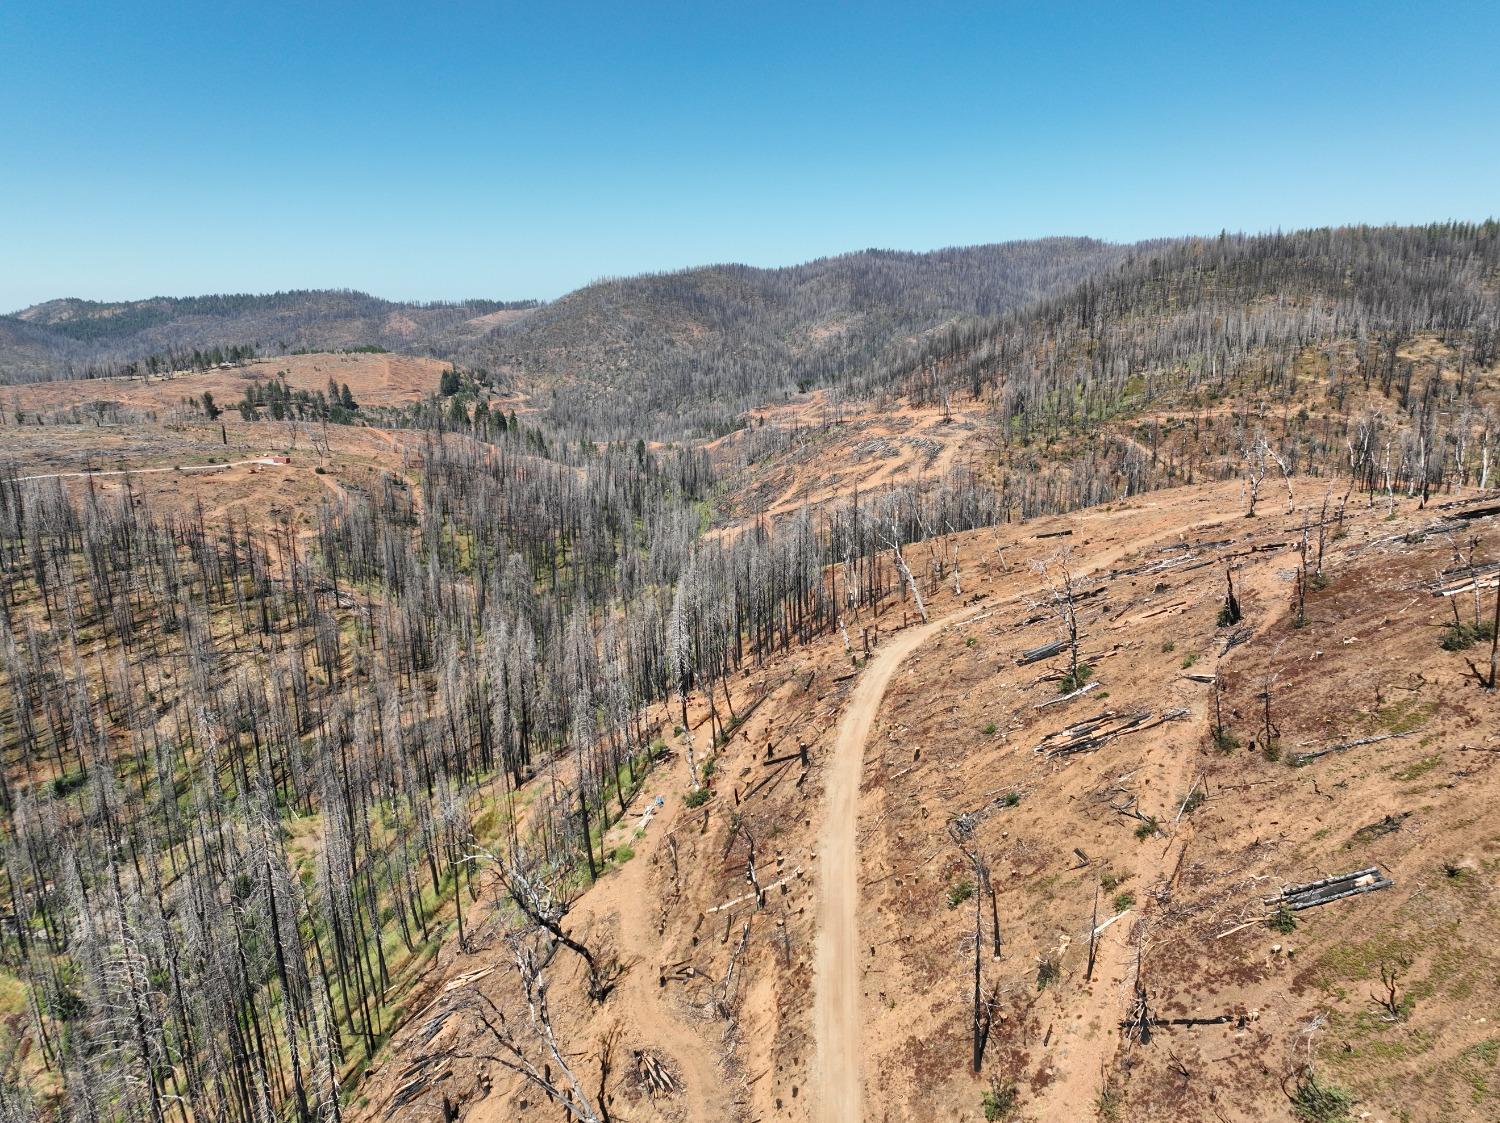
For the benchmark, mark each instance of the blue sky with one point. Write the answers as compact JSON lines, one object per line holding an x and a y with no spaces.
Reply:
{"x":443,"y":150}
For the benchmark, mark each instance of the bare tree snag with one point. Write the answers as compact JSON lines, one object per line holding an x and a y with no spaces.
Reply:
{"x":894,"y":542}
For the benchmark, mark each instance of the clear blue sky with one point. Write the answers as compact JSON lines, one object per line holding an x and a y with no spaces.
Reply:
{"x":444,"y":150}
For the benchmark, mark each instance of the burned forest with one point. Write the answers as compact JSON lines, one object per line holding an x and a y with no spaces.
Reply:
{"x":1052,"y":680}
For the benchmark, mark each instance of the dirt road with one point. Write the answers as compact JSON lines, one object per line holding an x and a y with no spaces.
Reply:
{"x":145,"y":471}
{"x":837,"y":1080}
{"x":838,"y":1087}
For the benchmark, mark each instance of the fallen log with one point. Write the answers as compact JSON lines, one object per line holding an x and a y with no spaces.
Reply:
{"x":1300,"y":759}
{"x":1037,"y":654}
{"x":1079,"y":693}
{"x":1154,"y":1022}
{"x":1387,"y":825}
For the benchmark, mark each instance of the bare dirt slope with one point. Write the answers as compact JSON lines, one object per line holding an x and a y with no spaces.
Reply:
{"x":374,"y":380}
{"x":1166,"y":838}
{"x":817,"y":450}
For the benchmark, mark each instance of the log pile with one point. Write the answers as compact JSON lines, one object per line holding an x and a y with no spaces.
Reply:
{"x":653,"y":1075}
{"x":1314,"y":893}
{"x":1466,"y":579}
{"x":1093,"y":733}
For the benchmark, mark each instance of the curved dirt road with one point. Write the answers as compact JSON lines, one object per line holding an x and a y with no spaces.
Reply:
{"x":836,"y":1020}
{"x":837,"y":1081}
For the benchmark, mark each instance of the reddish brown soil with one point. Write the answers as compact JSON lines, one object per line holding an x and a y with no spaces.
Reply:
{"x":955,"y":736}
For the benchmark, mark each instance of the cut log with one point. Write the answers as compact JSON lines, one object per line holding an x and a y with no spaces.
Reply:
{"x":1329,"y":889}
{"x":1037,"y":654}
{"x":1300,"y":759}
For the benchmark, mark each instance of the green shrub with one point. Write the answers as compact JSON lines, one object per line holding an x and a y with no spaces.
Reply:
{"x":1108,"y":1103}
{"x":960,"y":892}
{"x":1074,"y":680}
{"x":697,"y":797}
{"x":1316,"y":1102}
{"x":1123,"y":901}
{"x":1461,"y":637}
{"x":68,"y":782}
{"x":1048,"y":971}
{"x":998,"y":1103}
{"x":1189,"y":660}
{"x":1283,"y":920}
{"x":1147,"y":828}
{"x":989,"y":729}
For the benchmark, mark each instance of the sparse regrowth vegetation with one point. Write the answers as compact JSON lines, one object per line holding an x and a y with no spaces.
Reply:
{"x":1048,"y":971}
{"x":1283,"y":920}
{"x":1314,"y":1101}
{"x":1075,"y":679}
{"x":1463,"y":635}
{"x":998,"y":1104}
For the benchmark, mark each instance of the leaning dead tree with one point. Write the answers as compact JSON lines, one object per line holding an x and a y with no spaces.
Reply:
{"x":536,"y":894}
{"x":529,"y":1047}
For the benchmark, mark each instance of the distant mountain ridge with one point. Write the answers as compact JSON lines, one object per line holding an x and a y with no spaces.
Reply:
{"x":690,"y":349}
{"x":74,"y":338}
{"x":693,"y":349}
{"x":688,"y":352}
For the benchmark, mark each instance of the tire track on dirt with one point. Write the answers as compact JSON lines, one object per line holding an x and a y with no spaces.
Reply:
{"x":838,"y":1083}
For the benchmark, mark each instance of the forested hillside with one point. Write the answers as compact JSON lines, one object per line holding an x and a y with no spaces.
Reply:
{"x":688,"y":352}
{"x":677,"y":354}
{"x":82,"y":338}
{"x":1185,"y":361}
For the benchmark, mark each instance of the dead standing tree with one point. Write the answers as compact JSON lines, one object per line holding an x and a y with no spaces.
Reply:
{"x":1062,"y":603}
{"x":1258,"y":456}
{"x":1270,"y":731}
{"x":1254,"y":456}
{"x":893,"y":540}
{"x":985,"y":1003}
